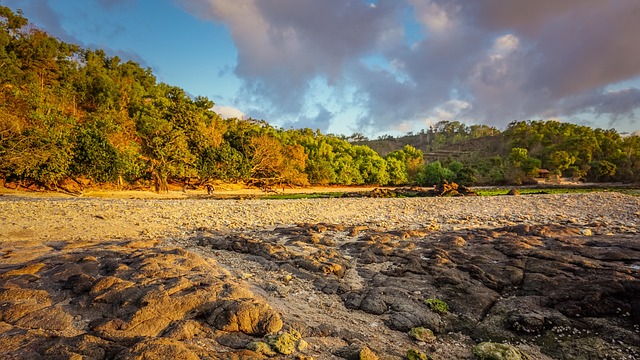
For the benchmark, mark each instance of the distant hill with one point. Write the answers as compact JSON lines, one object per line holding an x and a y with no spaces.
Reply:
{"x":523,"y":151}
{"x":434,"y":149}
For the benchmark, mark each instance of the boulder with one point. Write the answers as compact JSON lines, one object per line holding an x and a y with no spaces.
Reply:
{"x":249,"y":316}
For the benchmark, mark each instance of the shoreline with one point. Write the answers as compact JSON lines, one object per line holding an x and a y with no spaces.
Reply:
{"x":219,"y":193}
{"x":233,"y":191}
{"x":87,"y":217}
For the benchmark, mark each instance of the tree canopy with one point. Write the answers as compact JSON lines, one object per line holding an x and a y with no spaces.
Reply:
{"x":69,"y":113}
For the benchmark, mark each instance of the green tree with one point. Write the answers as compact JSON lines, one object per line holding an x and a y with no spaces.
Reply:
{"x":94,"y":157}
{"x":463,"y":174}
{"x":411,"y":158}
{"x":602,"y":170}
{"x":562,"y":160}
{"x":397,"y":171}
{"x":164,"y":146}
{"x":43,"y":153}
{"x":434,"y":174}
{"x":518,"y":156}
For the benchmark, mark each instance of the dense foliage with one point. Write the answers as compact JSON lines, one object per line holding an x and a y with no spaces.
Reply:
{"x":71,"y":113}
{"x":524,"y":152}
{"x":68,"y":113}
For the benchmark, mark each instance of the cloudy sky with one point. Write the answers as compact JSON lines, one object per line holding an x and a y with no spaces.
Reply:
{"x":376,"y":66}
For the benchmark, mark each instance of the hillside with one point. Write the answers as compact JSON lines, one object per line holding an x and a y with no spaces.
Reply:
{"x":465,"y":150}
{"x":519,"y":152}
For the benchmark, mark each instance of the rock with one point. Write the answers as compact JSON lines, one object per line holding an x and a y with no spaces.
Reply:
{"x":79,"y":283}
{"x":547,"y":286}
{"x":261,"y":348}
{"x":355,"y":352}
{"x":422,"y":334}
{"x":405,"y":321}
{"x":495,"y":351}
{"x":367,"y":354}
{"x":136,"y":300}
{"x":187,"y":330}
{"x":250,"y":316}
{"x":373,"y":303}
{"x":19,"y":302}
{"x":49,"y":318}
{"x":160,"y":348}
{"x":285,"y":343}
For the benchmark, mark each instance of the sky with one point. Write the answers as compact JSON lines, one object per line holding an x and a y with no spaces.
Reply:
{"x":375,"y":66}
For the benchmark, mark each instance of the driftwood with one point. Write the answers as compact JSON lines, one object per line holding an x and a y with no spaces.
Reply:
{"x":446,"y":189}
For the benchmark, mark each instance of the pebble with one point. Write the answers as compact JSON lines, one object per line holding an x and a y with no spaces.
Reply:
{"x":62,"y":217}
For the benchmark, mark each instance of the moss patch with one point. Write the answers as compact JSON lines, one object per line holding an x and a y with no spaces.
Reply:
{"x":496,"y":351}
{"x":437,"y":305}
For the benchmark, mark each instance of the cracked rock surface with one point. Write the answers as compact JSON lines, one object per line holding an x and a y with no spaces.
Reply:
{"x":555,"y":276}
{"x":124,"y":299}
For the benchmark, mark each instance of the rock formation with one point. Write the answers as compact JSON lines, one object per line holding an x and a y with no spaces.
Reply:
{"x":128,"y":300}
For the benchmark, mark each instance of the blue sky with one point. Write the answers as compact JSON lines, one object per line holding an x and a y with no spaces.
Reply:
{"x":376,"y":67}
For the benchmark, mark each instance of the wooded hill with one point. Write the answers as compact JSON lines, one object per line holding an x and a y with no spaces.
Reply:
{"x":68,"y":113}
{"x":518,"y":153}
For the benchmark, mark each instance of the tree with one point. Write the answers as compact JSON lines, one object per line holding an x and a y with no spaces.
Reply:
{"x":10,"y":28}
{"x":518,"y":156}
{"x":463,"y":174}
{"x":434,"y":174}
{"x":266,"y":157}
{"x":411,"y":159}
{"x":94,"y":156}
{"x":397,"y":171}
{"x":295,"y":162}
{"x":562,"y":160}
{"x":602,"y":170}
{"x":43,"y":153}
{"x":165,"y":148}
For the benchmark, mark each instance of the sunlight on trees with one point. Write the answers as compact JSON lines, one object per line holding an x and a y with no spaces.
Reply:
{"x":68,"y":113}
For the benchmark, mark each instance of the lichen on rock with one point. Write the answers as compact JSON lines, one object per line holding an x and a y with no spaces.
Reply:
{"x":261,"y":348}
{"x":496,"y":351}
{"x":422,"y":334}
{"x":414,"y":354}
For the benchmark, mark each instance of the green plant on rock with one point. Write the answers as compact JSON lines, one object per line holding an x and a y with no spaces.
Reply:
{"x":284,"y":343}
{"x":287,"y":342}
{"x":367,"y":354}
{"x":422,"y":334}
{"x":437,"y":305}
{"x":414,"y":354}
{"x":496,"y":351}
{"x":261,"y":348}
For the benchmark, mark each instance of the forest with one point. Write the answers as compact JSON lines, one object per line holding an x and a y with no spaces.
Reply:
{"x":74,"y":114}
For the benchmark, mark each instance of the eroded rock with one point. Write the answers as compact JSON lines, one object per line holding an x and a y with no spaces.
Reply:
{"x":511,"y":283}
{"x":98,"y":300}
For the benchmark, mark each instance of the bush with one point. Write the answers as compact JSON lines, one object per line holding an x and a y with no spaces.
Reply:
{"x":434,"y":174}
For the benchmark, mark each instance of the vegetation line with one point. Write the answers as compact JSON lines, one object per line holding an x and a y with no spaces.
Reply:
{"x":72,"y":117}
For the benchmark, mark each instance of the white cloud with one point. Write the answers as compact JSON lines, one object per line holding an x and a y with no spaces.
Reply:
{"x":543,"y":61}
{"x":432,"y":15}
{"x":449,"y":111}
{"x":506,"y":44}
{"x":227,"y":112}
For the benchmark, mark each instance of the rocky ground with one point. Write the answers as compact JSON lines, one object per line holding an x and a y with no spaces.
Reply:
{"x":556,"y":276}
